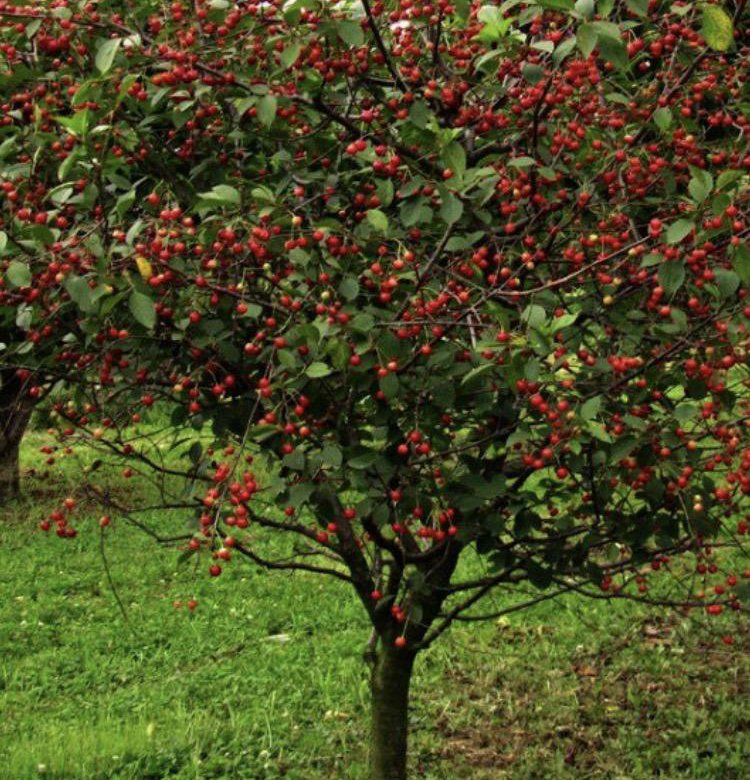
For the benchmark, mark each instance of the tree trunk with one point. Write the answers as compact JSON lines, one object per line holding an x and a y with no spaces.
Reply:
{"x":391,"y":675}
{"x":15,"y":412}
{"x":9,"y":472}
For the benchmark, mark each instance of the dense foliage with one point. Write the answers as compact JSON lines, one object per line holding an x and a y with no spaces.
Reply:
{"x":423,"y":276}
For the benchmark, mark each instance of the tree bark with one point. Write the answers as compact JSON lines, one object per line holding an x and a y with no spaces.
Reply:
{"x":391,"y":675}
{"x":10,"y":476}
{"x":15,"y":412}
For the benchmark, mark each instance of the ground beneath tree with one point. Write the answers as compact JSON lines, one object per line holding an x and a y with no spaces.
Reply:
{"x":261,"y":683}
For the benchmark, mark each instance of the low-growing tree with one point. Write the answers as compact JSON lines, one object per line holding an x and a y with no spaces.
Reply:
{"x":418,"y":282}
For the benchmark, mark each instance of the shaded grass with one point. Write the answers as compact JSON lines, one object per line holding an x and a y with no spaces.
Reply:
{"x":265,"y":679}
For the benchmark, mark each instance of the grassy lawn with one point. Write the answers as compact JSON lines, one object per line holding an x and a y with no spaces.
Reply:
{"x":265,"y":679}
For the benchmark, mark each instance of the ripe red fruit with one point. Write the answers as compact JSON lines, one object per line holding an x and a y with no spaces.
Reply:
{"x":214,"y":570}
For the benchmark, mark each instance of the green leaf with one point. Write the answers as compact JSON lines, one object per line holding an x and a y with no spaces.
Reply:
{"x":414,"y":211}
{"x":124,"y":203}
{"x":717,"y":28}
{"x":267,"y":110}
{"x":677,"y":231}
{"x":532,"y":73}
{"x":222,"y":195}
{"x":638,"y":7}
{"x":362,"y":323}
{"x":389,"y":385}
{"x":363,"y":460}
{"x":8,"y":147}
{"x":454,"y":157}
{"x":318,"y":370}
{"x":18,"y":274}
{"x":596,"y":429}
{"x":477,"y":371}
{"x":80,"y":292}
{"x":521,"y":162}
{"x":106,"y":53}
{"x":143,"y":309}
{"x":287,"y":359}
{"x":3,"y":241}
{"x":350,"y":32}
{"x":534,"y":316}
{"x":451,"y":209}
{"x":564,"y":48}
{"x":242,"y":105}
{"x":613,"y":50}
{"x":591,"y":408}
{"x":728,"y":177}
{"x":685,"y":410}
{"x":586,"y":38}
{"x":349,"y":288}
{"x":290,"y":54}
{"x":556,"y":5}
{"x":378,"y":220}
{"x":565,"y":321}
{"x":727,"y":281}
{"x":700,"y":185}
{"x":622,"y":447}
{"x":76,"y":125}
{"x":294,"y":460}
{"x":671,"y":275}
{"x":331,"y":456}
{"x":419,"y":114}
{"x":741,"y":263}
{"x":495,"y":24}
{"x":263,"y":194}
{"x":300,"y":493}
{"x":662,"y":118}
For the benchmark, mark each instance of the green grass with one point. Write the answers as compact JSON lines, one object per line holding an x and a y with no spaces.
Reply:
{"x":265,"y":680}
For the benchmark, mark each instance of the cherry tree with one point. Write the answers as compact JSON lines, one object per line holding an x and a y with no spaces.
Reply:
{"x":416,"y":284}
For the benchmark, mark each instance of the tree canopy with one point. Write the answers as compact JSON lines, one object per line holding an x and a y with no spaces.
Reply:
{"x":406,"y":277}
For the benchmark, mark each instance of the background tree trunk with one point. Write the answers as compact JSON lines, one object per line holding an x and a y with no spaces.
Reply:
{"x":391,"y":675}
{"x":15,"y":412}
